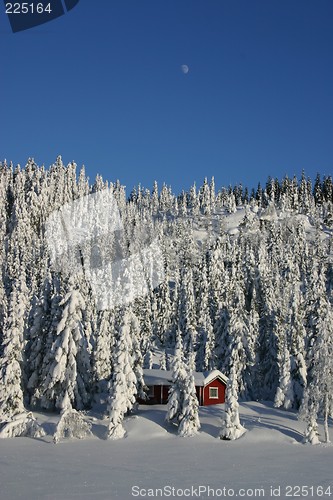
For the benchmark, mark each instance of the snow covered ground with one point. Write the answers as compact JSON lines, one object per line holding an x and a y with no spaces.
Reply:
{"x":152,"y":456}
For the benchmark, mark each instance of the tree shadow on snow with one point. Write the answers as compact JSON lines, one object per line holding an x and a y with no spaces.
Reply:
{"x":269,"y":409}
{"x":49,"y":428}
{"x":265,"y":418}
{"x":99,"y":430}
{"x":215,"y":411}
{"x":210,"y":429}
{"x":157,"y":416}
{"x":153,"y":414}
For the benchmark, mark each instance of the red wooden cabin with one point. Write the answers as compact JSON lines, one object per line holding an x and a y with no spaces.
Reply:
{"x":210,"y":386}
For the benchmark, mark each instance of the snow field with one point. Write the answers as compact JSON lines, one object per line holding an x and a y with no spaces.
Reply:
{"x":152,"y":456}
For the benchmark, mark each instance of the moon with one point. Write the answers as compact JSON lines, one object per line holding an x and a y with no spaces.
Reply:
{"x":185,"y":69}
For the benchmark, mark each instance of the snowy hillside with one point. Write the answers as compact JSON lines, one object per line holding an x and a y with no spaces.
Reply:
{"x":91,"y":295}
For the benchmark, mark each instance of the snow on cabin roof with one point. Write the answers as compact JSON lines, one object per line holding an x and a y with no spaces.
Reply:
{"x":156,"y":376}
{"x":210,"y":376}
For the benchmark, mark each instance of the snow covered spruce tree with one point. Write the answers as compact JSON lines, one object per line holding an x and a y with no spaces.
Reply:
{"x":267,"y":373}
{"x":38,"y":347}
{"x":101,"y":355}
{"x":68,"y":375}
{"x":189,"y":417}
{"x":236,"y":338}
{"x":291,"y":332}
{"x":186,"y":311}
{"x":163,"y":312}
{"x":176,"y":393}
{"x":15,"y":324}
{"x":123,"y":384}
{"x":231,"y":426}
{"x":284,"y":394}
{"x":15,"y":420}
{"x":297,"y":330}
{"x":318,"y":397}
{"x":137,"y":357}
{"x":291,"y":349}
{"x":215,"y":271}
{"x":71,"y":423}
{"x":11,"y":388}
{"x":183,"y":406}
{"x":42,"y":336}
{"x":205,"y":353}
{"x":206,"y":341}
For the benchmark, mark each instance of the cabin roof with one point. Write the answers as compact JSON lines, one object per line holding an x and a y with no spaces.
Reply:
{"x":156,"y":376}
{"x":212,"y":375}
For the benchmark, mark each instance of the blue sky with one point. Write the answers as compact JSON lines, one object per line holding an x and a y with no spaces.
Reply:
{"x":103,"y":86}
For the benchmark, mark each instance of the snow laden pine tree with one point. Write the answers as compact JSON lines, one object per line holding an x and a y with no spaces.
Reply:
{"x":267,"y":374}
{"x":309,"y":412}
{"x":40,"y":355}
{"x":17,"y":245}
{"x":206,"y":344}
{"x":231,"y":427}
{"x":237,"y":334}
{"x":69,"y":365}
{"x":163,"y":312}
{"x":11,"y":393}
{"x":298,"y":371}
{"x":101,"y":357}
{"x":205,"y":352}
{"x":71,"y":423}
{"x":318,"y":397}
{"x":284,"y":394}
{"x":189,"y":418}
{"x":14,"y":419}
{"x":38,"y":348}
{"x":186,"y":311}
{"x":123,"y":384}
{"x":137,"y":357}
{"x":290,"y":345}
{"x":175,"y":399}
{"x":183,"y":406}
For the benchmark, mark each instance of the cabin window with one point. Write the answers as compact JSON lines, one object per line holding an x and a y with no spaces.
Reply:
{"x":213,"y":392}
